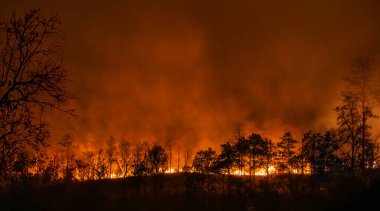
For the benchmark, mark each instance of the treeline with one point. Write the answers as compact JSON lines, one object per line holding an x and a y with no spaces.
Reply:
{"x":317,"y":153}
{"x":347,"y":149}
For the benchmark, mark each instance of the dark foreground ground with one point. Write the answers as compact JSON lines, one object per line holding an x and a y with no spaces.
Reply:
{"x":197,"y":192}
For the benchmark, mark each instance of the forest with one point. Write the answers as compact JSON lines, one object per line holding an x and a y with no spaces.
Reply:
{"x":326,"y":169}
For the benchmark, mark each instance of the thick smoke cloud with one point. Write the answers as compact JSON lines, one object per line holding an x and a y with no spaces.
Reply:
{"x":190,"y":71}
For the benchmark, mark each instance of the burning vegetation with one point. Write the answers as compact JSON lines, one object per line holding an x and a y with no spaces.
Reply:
{"x":318,"y":153}
{"x":248,"y":165}
{"x":33,"y":84}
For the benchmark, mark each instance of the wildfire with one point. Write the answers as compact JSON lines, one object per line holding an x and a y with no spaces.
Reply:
{"x":114,"y":176}
{"x":263,"y":172}
{"x":169,"y":171}
{"x":172,"y":170}
{"x":258,"y":172}
{"x":237,"y":172}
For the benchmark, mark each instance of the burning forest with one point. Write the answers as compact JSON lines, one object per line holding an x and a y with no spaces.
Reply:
{"x":172,"y":105}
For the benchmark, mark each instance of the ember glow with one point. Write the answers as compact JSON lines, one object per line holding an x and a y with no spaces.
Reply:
{"x":236,"y":172}
{"x":172,"y":170}
{"x":262,"y":171}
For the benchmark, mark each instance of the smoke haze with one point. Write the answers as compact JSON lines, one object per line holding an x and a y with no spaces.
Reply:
{"x":191,"y":71}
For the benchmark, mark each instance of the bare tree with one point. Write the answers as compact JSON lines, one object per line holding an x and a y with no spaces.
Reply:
{"x":178,"y":159}
{"x":348,"y":121}
{"x":100,"y":164}
{"x":360,"y":80}
{"x":125,"y":156}
{"x":111,"y":154}
{"x":186,"y":167}
{"x":89,"y":158}
{"x":170,"y":146}
{"x":32,"y":82}
{"x":68,"y":153}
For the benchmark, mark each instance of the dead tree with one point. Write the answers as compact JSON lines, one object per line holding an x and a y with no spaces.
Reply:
{"x":32,"y":83}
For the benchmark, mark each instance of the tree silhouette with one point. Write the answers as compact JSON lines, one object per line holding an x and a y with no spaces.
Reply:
{"x":286,"y":151}
{"x":31,"y":83}
{"x":51,"y":172}
{"x":111,"y":155}
{"x":257,"y":147}
{"x":89,"y":159}
{"x":242,"y":147}
{"x":125,"y":156}
{"x":68,"y":153}
{"x":204,"y":161}
{"x":348,"y":121}
{"x":186,"y":167}
{"x":23,"y":162}
{"x":309,"y":149}
{"x":360,"y":80}
{"x":82,"y":169}
{"x":371,"y":151}
{"x":101,"y":167}
{"x":227,"y":159}
{"x":268,"y":153}
{"x":255,"y":152}
{"x":158,"y":159}
{"x":328,"y":159}
{"x":140,"y":161}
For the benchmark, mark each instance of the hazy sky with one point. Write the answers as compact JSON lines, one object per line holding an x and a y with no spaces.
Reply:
{"x":190,"y":71}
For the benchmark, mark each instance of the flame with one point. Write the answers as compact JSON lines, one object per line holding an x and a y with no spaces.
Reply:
{"x":169,"y":171}
{"x":173,"y":170}
{"x":235,"y":171}
{"x":263,"y":171}
{"x":114,"y":176}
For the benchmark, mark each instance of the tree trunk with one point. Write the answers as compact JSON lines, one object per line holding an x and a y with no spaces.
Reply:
{"x":170,"y":159}
{"x":267,"y":170}
{"x":178,"y":160}
{"x":110,"y":170}
{"x":250,"y":171}
{"x":362,"y":164}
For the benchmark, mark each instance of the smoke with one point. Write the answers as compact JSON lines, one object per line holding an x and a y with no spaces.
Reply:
{"x":189,"y":72}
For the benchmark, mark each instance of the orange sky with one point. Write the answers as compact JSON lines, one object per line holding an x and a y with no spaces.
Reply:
{"x":190,"y":71}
